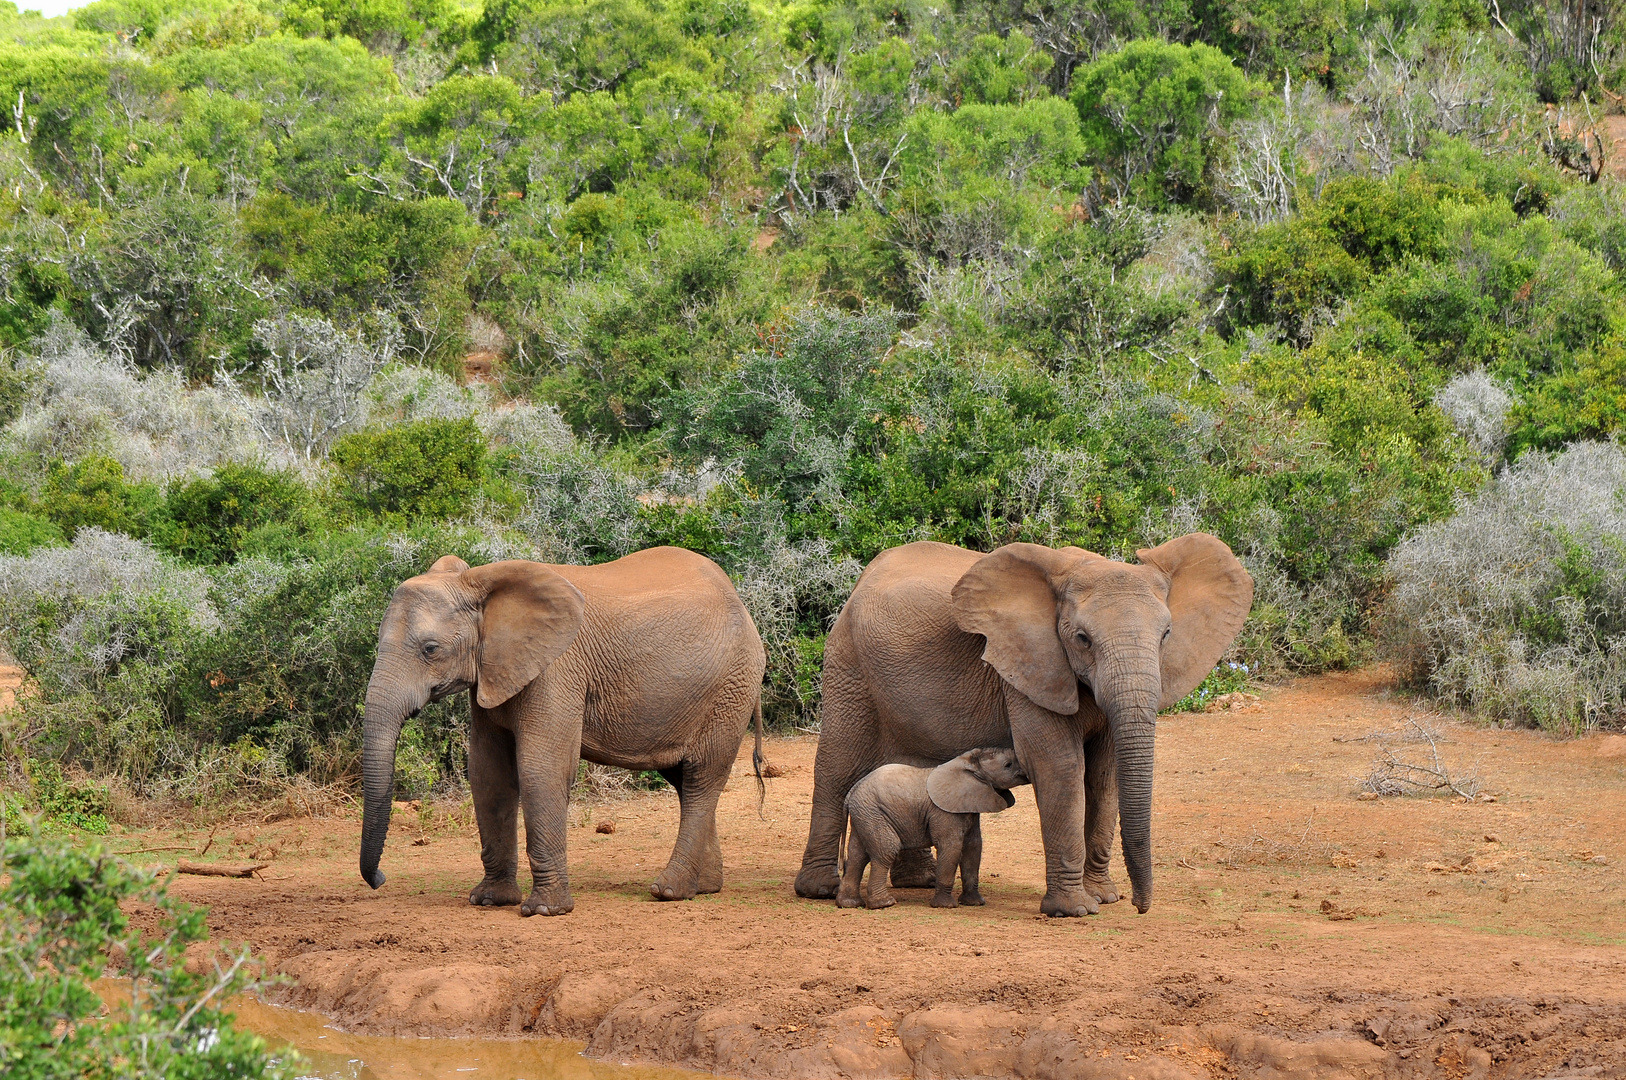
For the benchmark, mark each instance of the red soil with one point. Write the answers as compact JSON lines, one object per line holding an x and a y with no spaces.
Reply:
{"x":1297,"y":931}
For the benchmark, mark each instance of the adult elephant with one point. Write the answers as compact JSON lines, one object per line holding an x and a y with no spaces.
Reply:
{"x":940,"y":650}
{"x":648,"y":662}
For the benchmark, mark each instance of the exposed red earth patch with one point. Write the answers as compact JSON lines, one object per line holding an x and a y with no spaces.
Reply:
{"x":1297,"y":930}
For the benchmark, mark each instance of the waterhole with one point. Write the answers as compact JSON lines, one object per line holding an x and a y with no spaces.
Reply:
{"x":329,"y":1054}
{"x":325,"y":1053}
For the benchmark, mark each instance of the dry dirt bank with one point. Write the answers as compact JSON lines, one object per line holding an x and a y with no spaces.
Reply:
{"x":1297,"y":931}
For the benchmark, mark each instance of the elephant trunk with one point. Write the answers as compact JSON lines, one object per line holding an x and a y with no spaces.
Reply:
{"x":1132,"y":715}
{"x":386,"y":712}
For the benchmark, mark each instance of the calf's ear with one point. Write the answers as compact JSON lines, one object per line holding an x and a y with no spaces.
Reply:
{"x":955,"y":788}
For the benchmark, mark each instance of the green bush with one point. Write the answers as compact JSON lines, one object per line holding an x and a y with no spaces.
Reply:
{"x":61,"y":922}
{"x":1149,"y":110}
{"x":424,"y":470}
{"x":207,"y":520}
{"x":22,"y":532}
{"x":92,"y":492}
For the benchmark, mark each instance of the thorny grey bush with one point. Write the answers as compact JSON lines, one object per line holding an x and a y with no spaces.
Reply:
{"x":1516,"y":607}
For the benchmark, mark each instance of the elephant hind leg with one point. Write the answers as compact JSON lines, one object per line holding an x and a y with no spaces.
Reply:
{"x":696,"y":863}
{"x":915,"y":869}
{"x":709,"y":872}
{"x":850,"y":895}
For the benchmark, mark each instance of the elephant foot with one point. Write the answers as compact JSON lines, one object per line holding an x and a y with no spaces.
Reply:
{"x":673,"y":885}
{"x":555,"y":901}
{"x":848,"y":900}
{"x":914,"y":869}
{"x":491,"y":893}
{"x":817,"y":882}
{"x":972,"y":899}
{"x":878,"y":901}
{"x":1102,"y":889}
{"x":944,"y":900}
{"x":710,"y":880}
{"x":1069,"y":904}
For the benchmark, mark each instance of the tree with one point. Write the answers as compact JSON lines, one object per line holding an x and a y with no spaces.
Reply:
{"x":1151,"y":114}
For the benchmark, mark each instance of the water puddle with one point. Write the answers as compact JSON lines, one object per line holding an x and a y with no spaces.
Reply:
{"x":334,"y":1055}
{"x":330,"y":1054}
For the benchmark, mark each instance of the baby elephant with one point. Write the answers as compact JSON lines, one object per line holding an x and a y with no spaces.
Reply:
{"x":901,"y":806}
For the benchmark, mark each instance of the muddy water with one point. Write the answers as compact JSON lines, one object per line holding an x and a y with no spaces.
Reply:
{"x":329,"y":1054}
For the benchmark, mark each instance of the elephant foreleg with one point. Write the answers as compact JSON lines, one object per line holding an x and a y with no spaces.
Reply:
{"x":950,"y":845}
{"x":1100,"y":816}
{"x":547,"y":764}
{"x":494,"y":783}
{"x":1053,"y":753}
{"x":971,"y":865}
{"x":847,"y":749}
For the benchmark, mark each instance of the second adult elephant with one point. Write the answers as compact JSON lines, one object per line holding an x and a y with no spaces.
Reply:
{"x":1060,"y":653}
{"x":648,"y":662}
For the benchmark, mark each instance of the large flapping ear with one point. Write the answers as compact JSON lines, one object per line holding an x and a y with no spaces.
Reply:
{"x":1209,"y":597}
{"x":530,"y":617}
{"x":448,"y":564}
{"x":1008,"y":598}
{"x":955,"y":788}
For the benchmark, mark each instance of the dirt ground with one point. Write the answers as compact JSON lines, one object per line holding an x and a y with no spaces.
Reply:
{"x":1298,"y":930}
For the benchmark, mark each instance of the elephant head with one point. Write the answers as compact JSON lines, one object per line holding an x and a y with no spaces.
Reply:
{"x":976,"y":782}
{"x":1139,"y":637}
{"x":494,"y":628}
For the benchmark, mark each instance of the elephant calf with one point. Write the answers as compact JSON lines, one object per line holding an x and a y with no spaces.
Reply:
{"x":901,"y":806}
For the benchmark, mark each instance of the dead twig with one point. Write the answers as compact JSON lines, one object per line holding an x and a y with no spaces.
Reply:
{"x":1391,"y":774}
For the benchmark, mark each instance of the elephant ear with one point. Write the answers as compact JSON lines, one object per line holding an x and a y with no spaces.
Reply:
{"x":530,"y":617}
{"x":955,"y":788}
{"x":1008,"y":598}
{"x":448,"y":564}
{"x":1209,"y":597}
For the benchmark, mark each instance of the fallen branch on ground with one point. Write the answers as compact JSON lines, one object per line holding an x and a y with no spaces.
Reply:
{"x":210,"y":870}
{"x":1391,"y":774}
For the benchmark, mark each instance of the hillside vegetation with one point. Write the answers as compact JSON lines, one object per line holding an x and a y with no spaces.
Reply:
{"x":788,"y":284}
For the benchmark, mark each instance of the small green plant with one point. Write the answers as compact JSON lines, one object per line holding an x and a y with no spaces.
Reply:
{"x":60,"y":924}
{"x":209,"y":518}
{"x":70,"y":803}
{"x":1227,"y":678}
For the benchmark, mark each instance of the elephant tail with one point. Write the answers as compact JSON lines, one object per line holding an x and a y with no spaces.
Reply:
{"x":758,"y":762}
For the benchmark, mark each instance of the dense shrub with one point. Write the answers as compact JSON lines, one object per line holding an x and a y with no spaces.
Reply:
{"x":1516,"y":607}
{"x":1149,"y":112}
{"x":22,"y":532}
{"x":425,"y":469}
{"x":207,"y":520}
{"x":785,"y":285}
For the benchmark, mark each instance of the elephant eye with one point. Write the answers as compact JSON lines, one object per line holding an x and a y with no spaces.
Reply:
{"x":1166,"y":630}
{"x":1083,"y":639}
{"x":430,"y":648}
